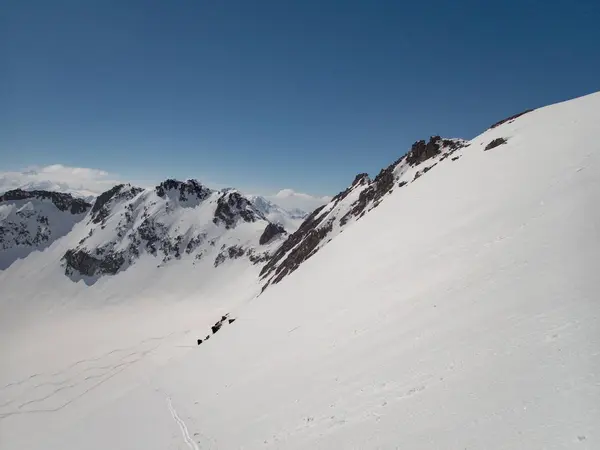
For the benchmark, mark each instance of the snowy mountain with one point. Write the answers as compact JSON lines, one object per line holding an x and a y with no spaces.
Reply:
{"x":288,"y":219}
{"x":176,"y":220}
{"x":450,"y":302}
{"x":32,"y":220}
{"x":353,"y":203}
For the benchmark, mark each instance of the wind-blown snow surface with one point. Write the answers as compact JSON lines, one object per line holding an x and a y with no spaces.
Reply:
{"x":461,"y":313}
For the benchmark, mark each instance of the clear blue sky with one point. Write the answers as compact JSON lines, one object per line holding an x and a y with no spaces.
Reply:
{"x":273,"y":94}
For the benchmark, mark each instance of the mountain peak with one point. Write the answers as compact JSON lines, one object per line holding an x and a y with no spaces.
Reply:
{"x":183,"y":190}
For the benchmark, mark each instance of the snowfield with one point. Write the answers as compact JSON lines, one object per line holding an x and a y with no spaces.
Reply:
{"x":462,"y":313}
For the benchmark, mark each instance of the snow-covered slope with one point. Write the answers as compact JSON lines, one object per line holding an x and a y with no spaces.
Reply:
{"x":328,"y":221}
{"x":460,"y":313}
{"x":32,"y":220}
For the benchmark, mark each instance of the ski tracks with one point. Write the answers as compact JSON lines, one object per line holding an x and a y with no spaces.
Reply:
{"x":184,"y":431}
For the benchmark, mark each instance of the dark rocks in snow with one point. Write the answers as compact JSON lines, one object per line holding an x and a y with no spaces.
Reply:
{"x":199,"y":341}
{"x":257,"y":258}
{"x":427,"y":169}
{"x":508,"y":119}
{"x":311,"y":222}
{"x":495,"y":143}
{"x":272,"y":230}
{"x":379,"y":187}
{"x":421,"y":151}
{"x":231,"y":207}
{"x":195,"y":242}
{"x":101,"y":208}
{"x":63,"y":202}
{"x":455,"y":158}
{"x":216,"y":327}
{"x":89,"y":265}
{"x":307,"y":247}
{"x":361,"y":178}
{"x":402,"y":183}
{"x":233,"y":252}
{"x":185,"y":189}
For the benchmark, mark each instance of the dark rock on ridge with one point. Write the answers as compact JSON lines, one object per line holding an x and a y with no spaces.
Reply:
{"x":272,"y":230}
{"x":63,"y":202}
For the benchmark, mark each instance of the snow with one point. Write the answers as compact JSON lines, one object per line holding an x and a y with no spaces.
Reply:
{"x":34,"y":220}
{"x":289,"y":219}
{"x":461,"y":313}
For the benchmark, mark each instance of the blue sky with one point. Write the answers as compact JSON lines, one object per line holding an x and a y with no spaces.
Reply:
{"x":275,"y":94}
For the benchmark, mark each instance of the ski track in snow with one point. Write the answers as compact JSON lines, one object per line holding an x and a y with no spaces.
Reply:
{"x":184,"y":431}
{"x":71,"y":385}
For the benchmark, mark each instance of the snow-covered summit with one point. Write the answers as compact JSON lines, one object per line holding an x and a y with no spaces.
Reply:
{"x":176,"y":220}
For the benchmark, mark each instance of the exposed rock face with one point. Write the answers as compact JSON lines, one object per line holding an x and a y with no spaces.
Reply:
{"x":421,"y":151}
{"x":88,"y":265}
{"x":296,"y":238}
{"x":231,"y":207}
{"x":511,"y":118}
{"x":380,"y":186}
{"x":272,"y":230}
{"x":184,"y":190}
{"x":101,"y":208}
{"x":352,"y":204}
{"x":63,"y":202}
{"x":233,"y":252}
{"x":33,"y":220}
{"x":495,"y":143}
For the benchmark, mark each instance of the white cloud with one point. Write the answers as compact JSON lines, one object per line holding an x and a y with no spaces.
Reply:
{"x":78,"y":181}
{"x":290,"y":199}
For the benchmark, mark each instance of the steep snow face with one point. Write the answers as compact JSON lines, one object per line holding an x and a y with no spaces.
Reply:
{"x":176,"y":220}
{"x":32,"y":220}
{"x":290,"y":220}
{"x":460,"y":313}
{"x":363,"y":195}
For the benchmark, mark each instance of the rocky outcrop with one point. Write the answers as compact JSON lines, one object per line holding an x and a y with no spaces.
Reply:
{"x":232,"y":207}
{"x":380,"y":186}
{"x":90,"y":265}
{"x":184,"y":190}
{"x":63,"y":202}
{"x":232,"y":252}
{"x":272,"y":230}
{"x":121,"y":192}
{"x":511,"y":118}
{"x":495,"y":143}
{"x":421,"y":151}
